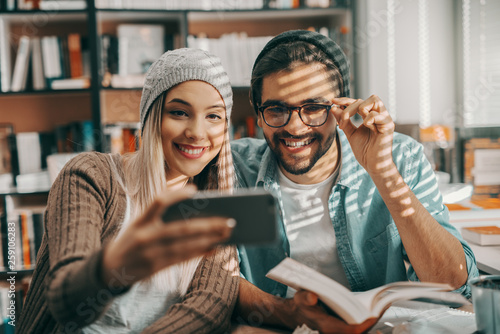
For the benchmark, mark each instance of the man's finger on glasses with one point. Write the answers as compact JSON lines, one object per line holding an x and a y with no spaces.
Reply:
{"x":343,"y":101}
{"x":343,"y":115}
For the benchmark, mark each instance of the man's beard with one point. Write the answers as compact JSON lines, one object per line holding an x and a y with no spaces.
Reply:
{"x":294,"y":167}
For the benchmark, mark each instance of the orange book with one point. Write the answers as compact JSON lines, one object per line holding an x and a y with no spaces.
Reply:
{"x":129,"y":144}
{"x":25,"y":239}
{"x":482,"y":235}
{"x":75,"y":55}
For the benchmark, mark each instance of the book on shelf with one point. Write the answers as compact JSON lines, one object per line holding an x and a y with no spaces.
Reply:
{"x":37,"y":64}
{"x":51,"y":56}
{"x":121,"y":139}
{"x":29,"y":151}
{"x":29,"y":226}
{"x":109,"y":58}
{"x":74,"y":137}
{"x":55,"y":163}
{"x":181,"y":4}
{"x":6,"y":182}
{"x":74,"y":53}
{"x":33,"y":181}
{"x":127,"y":81}
{"x":139,"y":45}
{"x":317,"y":3}
{"x":49,"y":5}
{"x":62,"y":5}
{"x":481,"y":166}
{"x":6,"y":129}
{"x":237,"y":52}
{"x":5,"y":56}
{"x":355,"y":308}
{"x":20,"y":72}
{"x":70,"y":83}
{"x":482,"y":235}
{"x":283,"y":4}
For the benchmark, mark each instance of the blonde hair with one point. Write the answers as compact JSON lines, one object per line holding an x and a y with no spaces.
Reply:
{"x":145,"y":178}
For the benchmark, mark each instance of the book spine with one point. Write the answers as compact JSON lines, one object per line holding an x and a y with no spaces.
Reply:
{"x":37,"y":64}
{"x":14,"y":157}
{"x":62,"y":42}
{"x":19,"y":244}
{"x":21,"y":64}
{"x":5,"y":239}
{"x":75,"y":55}
{"x":38,"y":231}
{"x":25,"y":238}
{"x":5,"y":58}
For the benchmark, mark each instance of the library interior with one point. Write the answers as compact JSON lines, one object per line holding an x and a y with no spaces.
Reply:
{"x":74,"y":78}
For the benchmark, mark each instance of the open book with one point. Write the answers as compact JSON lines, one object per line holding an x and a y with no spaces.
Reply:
{"x":356,"y":307}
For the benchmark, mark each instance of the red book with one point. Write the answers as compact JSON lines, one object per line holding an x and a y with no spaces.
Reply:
{"x":75,"y":55}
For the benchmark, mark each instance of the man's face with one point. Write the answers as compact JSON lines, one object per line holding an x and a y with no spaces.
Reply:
{"x":299,"y":147}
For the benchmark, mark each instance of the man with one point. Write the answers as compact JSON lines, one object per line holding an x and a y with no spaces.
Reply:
{"x":356,"y":203}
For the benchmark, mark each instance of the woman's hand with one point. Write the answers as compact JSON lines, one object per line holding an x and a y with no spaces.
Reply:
{"x":149,"y":245}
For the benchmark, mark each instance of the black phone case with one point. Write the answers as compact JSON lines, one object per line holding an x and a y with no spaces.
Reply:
{"x":254,"y":212}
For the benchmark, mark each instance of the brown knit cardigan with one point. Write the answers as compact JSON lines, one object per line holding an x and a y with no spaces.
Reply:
{"x":85,"y":208}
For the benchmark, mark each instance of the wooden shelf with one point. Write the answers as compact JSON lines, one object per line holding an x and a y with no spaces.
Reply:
{"x":264,"y":14}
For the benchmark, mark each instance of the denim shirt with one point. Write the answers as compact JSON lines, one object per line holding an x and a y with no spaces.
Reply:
{"x":368,"y":241}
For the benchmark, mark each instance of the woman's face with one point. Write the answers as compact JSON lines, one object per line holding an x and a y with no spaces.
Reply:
{"x":192,"y":127}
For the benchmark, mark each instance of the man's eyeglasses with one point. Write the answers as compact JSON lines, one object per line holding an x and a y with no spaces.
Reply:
{"x":311,"y":114}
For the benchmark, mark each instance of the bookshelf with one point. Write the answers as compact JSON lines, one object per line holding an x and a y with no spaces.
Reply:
{"x":22,"y":210}
{"x":110,"y":105}
{"x":40,"y":110}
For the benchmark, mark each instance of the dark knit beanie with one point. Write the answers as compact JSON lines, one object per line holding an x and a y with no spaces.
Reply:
{"x":180,"y":65}
{"x":325,"y":44}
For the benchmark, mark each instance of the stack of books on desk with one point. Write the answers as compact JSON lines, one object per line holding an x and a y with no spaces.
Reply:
{"x":485,"y":210}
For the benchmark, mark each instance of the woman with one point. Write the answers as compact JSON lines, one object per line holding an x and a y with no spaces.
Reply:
{"x":107,"y":263}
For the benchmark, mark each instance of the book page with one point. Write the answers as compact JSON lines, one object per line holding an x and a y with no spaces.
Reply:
{"x":393,"y":296}
{"x":371,"y":297}
{"x":418,"y":317}
{"x":333,"y":294}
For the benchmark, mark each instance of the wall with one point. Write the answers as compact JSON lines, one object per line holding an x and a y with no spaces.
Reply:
{"x":371,"y":48}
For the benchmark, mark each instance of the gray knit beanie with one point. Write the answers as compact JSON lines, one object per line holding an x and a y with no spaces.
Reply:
{"x":180,"y":65}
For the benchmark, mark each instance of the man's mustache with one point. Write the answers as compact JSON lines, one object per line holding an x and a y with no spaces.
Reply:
{"x":287,"y":135}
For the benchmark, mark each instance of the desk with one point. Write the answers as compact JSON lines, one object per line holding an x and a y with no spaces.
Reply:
{"x":407,"y":317}
{"x":417,"y":317}
{"x":487,"y":257}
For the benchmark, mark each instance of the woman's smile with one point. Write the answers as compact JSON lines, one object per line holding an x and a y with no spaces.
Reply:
{"x":190,"y":151}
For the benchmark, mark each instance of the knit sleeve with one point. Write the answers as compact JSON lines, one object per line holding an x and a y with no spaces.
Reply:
{"x":80,"y":201}
{"x":210,"y":299}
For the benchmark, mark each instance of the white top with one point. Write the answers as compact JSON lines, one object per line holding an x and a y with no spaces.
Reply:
{"x":309,"y":227}
{"x":143,"y":304}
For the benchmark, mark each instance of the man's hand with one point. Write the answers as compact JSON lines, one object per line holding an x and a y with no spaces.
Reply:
{"x":371,"y":142}
{"x":306,"y":310}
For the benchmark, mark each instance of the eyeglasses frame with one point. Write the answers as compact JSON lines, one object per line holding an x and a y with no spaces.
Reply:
{"x":299,"y":108}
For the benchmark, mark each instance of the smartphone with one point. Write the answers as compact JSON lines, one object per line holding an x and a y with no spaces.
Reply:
{"x":253,"y":209}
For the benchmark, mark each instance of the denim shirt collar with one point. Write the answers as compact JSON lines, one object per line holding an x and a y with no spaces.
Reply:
{"x":268,"y":171}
